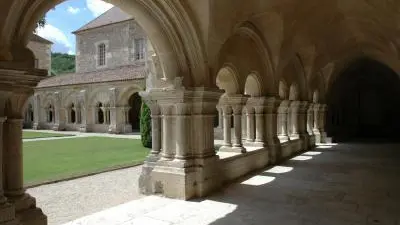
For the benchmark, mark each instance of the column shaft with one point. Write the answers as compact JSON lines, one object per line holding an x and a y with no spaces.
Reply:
{"x":250,"y":126}
{"x":167,"y":152}
{"x":227,"y":128}
{"x":156,"y":134}
{"x":260,"y":123}
{"x":182,"y":140}
{"x":13,"y":164}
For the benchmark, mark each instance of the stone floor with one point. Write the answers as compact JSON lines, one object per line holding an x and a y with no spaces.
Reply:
{"x":347,"y":184}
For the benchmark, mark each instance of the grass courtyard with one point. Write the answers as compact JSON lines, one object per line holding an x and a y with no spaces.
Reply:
{"x":64,"y":158}
{"x":34,"y":135}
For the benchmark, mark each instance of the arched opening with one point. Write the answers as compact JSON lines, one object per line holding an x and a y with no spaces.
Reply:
{"x":135,"y":103}
{"x":72,"y":113}
{"x":363,"y":102}
{"x":100,"y":113}
{"x":49,"y":113}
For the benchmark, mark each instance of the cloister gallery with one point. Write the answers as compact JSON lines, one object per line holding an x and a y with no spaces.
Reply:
{"x":288,"y":67}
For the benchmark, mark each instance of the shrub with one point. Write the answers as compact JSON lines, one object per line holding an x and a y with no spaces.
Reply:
{"x":145,"y":125}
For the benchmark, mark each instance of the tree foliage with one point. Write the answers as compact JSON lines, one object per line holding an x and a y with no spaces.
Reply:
{"x":41,"y":22}
{"x":145,"y":125}
{"x":62,"y":63}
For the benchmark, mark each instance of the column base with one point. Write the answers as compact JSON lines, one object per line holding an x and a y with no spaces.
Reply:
{"x":57,"y":127}
{"x":7,"y":214}
{"x":311,"y":142}
{"x":232,"y":149}
{"x":275,"y":150}
{"x":320,"y":137}
{"x":83,"y":129}
{"x":180,"y":179}
{"x":35,"y":126}
{"x":26,"y":211}
{"x":255,"y":144}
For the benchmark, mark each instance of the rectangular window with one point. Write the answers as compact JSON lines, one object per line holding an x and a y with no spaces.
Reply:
{"x":140,"y":48}
{"x":101,"y":54}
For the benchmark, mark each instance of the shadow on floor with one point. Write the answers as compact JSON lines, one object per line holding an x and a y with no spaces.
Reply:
{"x":351,"y":183}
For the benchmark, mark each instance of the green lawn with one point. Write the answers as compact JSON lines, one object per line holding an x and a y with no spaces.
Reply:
{"x":33,"y":135}
{"x":59,"y":159}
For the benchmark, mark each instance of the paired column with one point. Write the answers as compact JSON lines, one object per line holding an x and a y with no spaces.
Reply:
{"x":237,"y":123}
{"x":220,"y":117}
{"x":319,"y":122}
{"x":260,"y":126}
{"x":302,"y":118}
{"x":227,"y":126}
{"x":188,"y":166}
{"x":250,"y":124}
{"x":283,"y":121}
{"x":273,"y":142}
{"x":294,"y":119}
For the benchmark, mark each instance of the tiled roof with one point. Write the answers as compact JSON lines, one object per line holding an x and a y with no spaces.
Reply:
{"x":37,"y":38}
{"x":113,"y":15}
{"x":122,"y":73}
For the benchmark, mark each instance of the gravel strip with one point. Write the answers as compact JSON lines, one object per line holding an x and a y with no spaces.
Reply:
{"x":66,"y":201}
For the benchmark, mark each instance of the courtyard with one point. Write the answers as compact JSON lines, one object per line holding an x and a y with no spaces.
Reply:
{"x":76,"y":156}
{"x":343,"y":184}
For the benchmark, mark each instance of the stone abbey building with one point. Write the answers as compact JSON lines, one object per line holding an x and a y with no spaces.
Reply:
{"x":296,"y":71}
{"x":102,"y":95}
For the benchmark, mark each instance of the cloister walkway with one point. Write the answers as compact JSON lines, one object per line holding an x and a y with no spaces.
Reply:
{"x":343,"y":184}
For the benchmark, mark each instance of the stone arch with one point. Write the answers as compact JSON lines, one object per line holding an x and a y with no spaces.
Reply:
{"x":123,"y":98}
{"x":169,"y":25}
{"x":293,"y":73}
{"x":253,"y":85}
{"x":227,"y":80}
{"x":99,"y":95}
{"x":246,"y":50}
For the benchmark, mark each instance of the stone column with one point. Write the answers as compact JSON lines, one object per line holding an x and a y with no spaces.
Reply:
{"x":319,"y":123}
{"x":260,"y":126}
{"x":25,"y":205}
{"x":302,"y":124}
{"x":220,"y":117}
{"x":57,"y":112}
{"x":283,"y":121}
{"x":182,"y":116}
{"x":310,"y":125}
{"x":36,"y":112}
{"x":250,"y":124}
{"x":168,"y":134}
{"x":7,"y":210}
{"x":237,"y":123}
{"x":227,"y":113}
{"x":294,"y":122}
{"x":188,"y":134}
{"x":273,"y":142}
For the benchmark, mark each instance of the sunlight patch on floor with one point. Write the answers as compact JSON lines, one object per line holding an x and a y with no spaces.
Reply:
{"x":324,"y":146}
{"x":312,"y":153}
{"x":280,"y":169}
{"x":301,"y":158}
{"x":258,"y":180}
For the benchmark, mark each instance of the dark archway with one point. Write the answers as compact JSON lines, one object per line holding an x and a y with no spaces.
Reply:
{"x":364,"y":103}
{"x":100,"y":113}
{"x":135,"y":103}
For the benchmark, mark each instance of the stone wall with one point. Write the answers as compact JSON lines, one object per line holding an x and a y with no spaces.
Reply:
{"x":119,"y":39}
{"x":42,"y":52}
{"x":114,"y":97}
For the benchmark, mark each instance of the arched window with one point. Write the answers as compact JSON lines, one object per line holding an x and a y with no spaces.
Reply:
{"x":100,"y":113}
{"x":101,"y":57}
{"x":72,"y":113}
{"x":50,"y":111}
